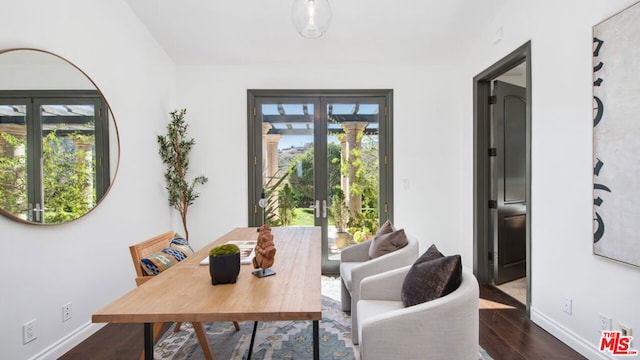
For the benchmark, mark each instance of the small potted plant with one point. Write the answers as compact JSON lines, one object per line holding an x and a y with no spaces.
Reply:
{"x":224,"y":264}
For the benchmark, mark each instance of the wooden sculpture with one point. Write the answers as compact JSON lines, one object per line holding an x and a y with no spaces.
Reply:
{"x":265,"y":253}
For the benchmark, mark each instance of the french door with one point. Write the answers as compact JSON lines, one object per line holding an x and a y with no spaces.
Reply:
{"x":321,"y":158}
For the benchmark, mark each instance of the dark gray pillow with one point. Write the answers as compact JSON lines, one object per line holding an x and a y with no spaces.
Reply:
{"x":431,"y":253}
{"x":431,"y":279}
{"x":387,"y":243}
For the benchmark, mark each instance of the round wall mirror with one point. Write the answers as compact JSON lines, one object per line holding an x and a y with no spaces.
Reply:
{"x":59,"y":148}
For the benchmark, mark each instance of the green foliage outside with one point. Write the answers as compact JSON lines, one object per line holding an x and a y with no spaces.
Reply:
{"x":364,"y":162}
{"x":67,"y":177}
{"x":13,"y":177}
{"x":302,"y":186}
{"x":296,"y":193}
{"x":304,"y":216}
{"x":272,"y":187}
{"x":226,"y":249}
{"x":286,"y":205}
{"x":174,"y":151}
{"x":339,"y":212}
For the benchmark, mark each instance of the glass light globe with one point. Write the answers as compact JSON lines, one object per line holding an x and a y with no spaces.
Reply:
{"x":311,"y":18}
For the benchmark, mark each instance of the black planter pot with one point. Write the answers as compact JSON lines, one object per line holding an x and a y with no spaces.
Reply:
{"x":224,"y":269}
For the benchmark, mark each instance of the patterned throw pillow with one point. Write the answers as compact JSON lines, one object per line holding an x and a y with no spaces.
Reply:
{"x":178,"y":250}
{"x":181,"y":244}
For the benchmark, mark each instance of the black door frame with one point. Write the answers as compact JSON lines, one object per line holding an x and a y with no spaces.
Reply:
{"x":481,"y":121}
{"x":385,"y":198}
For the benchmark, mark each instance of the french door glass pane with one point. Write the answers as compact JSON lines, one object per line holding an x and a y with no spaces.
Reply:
{"x":353,"y":173}
{"x":68,"y":160}
{"x":13,"y":160}
{"x":288,"y":164}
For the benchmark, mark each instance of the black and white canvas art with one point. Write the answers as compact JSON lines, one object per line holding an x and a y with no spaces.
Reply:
{"x":616,"y":136}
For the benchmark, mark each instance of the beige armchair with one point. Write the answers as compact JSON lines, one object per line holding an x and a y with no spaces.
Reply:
{"x":444,"y":328}
{"x":355,"y":265}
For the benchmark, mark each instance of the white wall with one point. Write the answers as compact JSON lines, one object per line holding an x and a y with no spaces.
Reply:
{"x":562,"y":167}
{"x":87,"y":262}
{"x":429,"y":104}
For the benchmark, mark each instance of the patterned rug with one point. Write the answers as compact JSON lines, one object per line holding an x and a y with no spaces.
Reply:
{"x":274,"y":339}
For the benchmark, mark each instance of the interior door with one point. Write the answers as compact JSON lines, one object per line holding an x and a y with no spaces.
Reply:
{"x":510,"y":166}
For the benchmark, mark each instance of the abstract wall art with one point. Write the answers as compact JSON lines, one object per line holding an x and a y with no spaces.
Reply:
{"x":616,"y":136}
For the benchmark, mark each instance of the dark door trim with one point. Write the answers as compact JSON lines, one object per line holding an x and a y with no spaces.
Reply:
{"x":383,"y":97}
{"x":481,"y":119}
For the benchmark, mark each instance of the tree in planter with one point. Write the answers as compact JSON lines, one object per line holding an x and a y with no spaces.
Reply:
{"x":340,"y":214}
{"x":339,"y":211}
{"x":174,"y":151}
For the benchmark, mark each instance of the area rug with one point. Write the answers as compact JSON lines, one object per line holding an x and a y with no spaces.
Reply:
{"x":274,"y":339}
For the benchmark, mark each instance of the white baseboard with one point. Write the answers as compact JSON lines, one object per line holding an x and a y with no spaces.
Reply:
{"x":568,"y":337}
{"x":68,"y":342}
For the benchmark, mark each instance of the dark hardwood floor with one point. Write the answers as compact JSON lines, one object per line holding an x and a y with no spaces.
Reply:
{"x":112,"y":342}
{"x":505,"y":333}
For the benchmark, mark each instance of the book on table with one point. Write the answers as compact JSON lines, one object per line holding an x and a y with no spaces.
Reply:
{"x":247,"y":251}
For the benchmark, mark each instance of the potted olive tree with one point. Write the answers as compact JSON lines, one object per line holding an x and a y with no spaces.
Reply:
{"x":224,"y":264}
{"x":174,"y":151}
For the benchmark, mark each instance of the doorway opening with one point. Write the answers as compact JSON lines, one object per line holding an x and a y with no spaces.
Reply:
{"x":502,"y":174}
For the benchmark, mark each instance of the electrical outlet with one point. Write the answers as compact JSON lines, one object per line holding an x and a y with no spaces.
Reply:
{"x":566,"y":305}
{"x":29,"y":331}
{"x":605,"y":323}
{"x":625,"y":330}
{"x":66,"y":312}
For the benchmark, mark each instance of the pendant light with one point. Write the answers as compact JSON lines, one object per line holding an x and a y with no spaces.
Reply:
{"x":311,"y":17}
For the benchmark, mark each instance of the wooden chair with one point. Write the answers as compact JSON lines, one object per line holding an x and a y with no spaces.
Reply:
{"x":150,"y":246}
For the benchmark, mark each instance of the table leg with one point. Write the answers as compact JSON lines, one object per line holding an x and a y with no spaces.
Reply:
{"x":253,"y":337}
{"x":316,"y":340}
{"x":202,"y":337}
{"x":148,"y":341}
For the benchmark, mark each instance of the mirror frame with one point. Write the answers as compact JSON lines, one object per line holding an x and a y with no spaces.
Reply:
{"x":112,"y":124}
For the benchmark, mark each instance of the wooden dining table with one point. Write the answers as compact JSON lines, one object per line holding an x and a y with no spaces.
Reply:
{"x":184,"y":292}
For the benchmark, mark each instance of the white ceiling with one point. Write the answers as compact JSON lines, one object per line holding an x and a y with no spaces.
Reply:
{"x":215,"y":32}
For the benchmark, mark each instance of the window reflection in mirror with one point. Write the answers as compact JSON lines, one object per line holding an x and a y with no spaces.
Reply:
{"x":56,"y":155}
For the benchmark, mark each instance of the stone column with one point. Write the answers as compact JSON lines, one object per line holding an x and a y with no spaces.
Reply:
{"x":351,"y":141}
{"x":272,"y":141}
{"x":270,"y":162}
